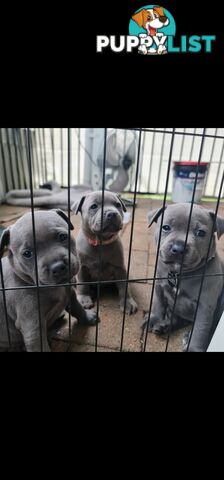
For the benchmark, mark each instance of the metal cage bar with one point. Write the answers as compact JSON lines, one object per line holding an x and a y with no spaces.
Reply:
{"x":144,"y":340}
{"x":187,"y":233}
{"x":3,"y":290}
{"x":69,"y":238}
{"x":131,"y":239}
{"x":101,"y":238}
{"x":29,"y":155}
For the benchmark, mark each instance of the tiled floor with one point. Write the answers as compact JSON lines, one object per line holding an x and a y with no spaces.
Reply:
{"x":142,"y":266}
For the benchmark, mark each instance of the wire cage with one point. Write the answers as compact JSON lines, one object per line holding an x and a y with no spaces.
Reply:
{"x":30,"y":158}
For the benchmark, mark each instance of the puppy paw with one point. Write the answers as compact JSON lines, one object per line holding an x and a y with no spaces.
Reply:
{"x":185,"y":341}
{"x":161,"y":49}
{"x":155,"y":325}
{"x":131,"y":306}
{"x":91,"y":318}
{"x":86,"y":301}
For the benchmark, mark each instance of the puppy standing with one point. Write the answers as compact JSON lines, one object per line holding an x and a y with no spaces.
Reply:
{"x":51,"y":229}
{"x":170,"y":257}
{"x":88,"y":245}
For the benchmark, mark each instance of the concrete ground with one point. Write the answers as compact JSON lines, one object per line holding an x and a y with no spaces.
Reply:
{"x":142,"y":266}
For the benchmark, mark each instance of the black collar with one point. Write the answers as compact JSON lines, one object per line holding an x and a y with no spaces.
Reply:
{"x":173,"y":276}
{"x":173,"y":279}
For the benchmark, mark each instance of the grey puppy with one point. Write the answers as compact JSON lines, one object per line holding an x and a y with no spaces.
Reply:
{"x":52,"y":241}
{"x":88,"y":246}
{"x":171,"y":253}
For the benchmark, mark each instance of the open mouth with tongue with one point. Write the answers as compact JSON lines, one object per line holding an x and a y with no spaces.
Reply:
{"x":151,"y":31}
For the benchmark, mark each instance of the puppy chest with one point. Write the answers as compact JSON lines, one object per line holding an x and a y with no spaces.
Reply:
{"x":103,"y":271}
{"x":53,"y":302}
{"x":185,"y":303}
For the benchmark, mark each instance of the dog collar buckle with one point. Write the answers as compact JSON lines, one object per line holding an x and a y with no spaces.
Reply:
{"x":96,"y":241}
{"x":173,"y":279}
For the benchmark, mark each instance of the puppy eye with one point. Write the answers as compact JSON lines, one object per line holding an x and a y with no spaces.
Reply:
{"x":166,"y":228}
{"x":200,"y":233}
{"x":27,"y":253}
{"x":63,"y":237}
{"x":94,"y":206}
{"x":117,"y":205}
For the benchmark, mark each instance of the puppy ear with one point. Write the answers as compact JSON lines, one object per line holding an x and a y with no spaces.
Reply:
{"x":160,"y":11}
{"x":153,"y":215}
{"x":219,"y":224}
{"x":4,"y":241}
{"x":77,"y":206}
{"x":65,"y":218}
{"x":122,"y":203}
{"x":140,"y":17}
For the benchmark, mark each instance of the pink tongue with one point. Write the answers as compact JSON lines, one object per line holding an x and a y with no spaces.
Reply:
{"x":151,"y":31}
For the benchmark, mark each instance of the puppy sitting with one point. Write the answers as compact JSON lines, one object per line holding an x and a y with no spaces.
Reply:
{"x":171,"y":253}
{"x":51,"y":229}
{"x":88,"y":246}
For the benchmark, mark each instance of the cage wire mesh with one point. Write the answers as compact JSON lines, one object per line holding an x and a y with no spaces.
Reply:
{"x":99,"y":158}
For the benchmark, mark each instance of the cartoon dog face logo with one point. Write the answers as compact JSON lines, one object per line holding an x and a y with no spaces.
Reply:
{"x":151,"y":19}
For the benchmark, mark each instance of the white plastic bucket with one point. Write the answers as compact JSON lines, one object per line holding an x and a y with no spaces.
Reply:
{"x":184,"y":180}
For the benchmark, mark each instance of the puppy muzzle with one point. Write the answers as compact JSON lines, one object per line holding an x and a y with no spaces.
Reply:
{"x":174,"y":252}
{"x":112,"y":223}
{"x":59,"y":270}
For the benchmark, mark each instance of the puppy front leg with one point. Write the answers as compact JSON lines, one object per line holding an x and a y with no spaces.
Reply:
{"x":131,"y":306}
{"x":84,"y":291}
{"x":159,"y":40}
{"x":202,"y":329}
{"x":158,"y":322}
{"x":205,"y":318}
{"x":84,"y":317}
{"x":31,"y":334}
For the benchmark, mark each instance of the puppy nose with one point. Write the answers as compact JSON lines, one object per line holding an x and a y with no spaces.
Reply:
{"x":111,"y":215}
{"x":162,"y":19}
{"x":58,"y":268}
{"x":177,"y":248}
